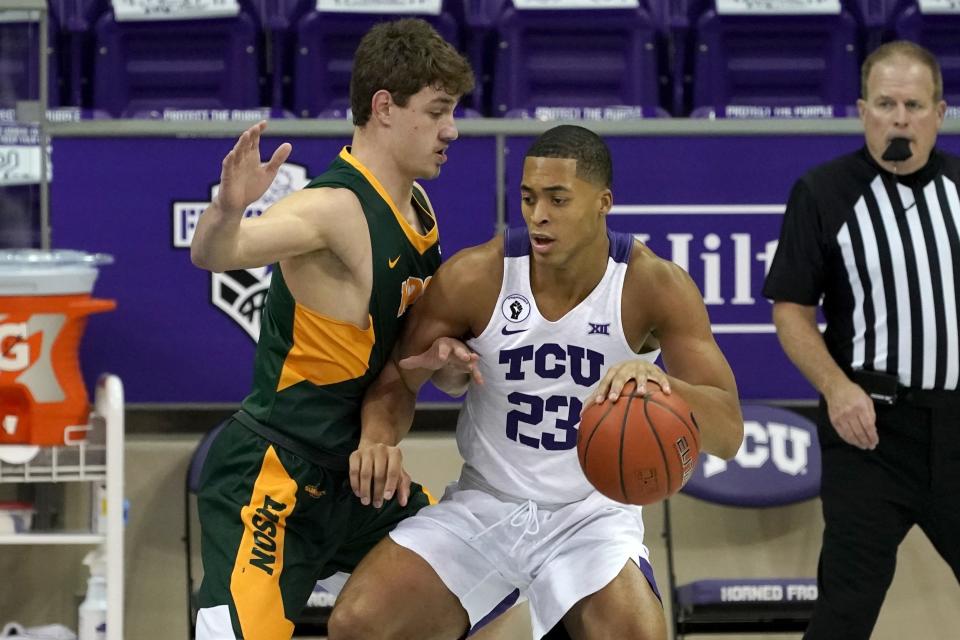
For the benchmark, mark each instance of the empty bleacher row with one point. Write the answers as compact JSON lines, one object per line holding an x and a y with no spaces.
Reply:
{"x":714,"y":58}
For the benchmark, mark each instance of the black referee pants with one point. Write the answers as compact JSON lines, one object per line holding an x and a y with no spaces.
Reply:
{"x":871,"y":499}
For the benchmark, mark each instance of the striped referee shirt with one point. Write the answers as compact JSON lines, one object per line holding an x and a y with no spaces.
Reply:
{"x":882,"y":252}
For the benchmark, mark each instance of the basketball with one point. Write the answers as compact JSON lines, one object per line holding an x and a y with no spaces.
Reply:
{"x":640,"y":449}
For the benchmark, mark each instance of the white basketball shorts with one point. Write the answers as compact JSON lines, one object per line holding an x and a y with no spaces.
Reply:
{"x":486,"y":549}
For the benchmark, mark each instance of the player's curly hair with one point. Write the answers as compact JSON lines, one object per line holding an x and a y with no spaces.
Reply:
{"x":403,"y":57}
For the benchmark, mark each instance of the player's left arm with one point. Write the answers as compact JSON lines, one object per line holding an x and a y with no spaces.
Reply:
{"x":663,"y":303}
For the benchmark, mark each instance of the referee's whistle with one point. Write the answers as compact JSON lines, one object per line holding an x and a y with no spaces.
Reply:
{"x":898,"y":150}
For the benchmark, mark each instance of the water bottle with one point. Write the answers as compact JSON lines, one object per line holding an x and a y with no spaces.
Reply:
{"x":93,"y":609}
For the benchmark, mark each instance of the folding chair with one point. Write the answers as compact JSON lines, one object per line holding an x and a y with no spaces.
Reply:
{"x":778,"y":465}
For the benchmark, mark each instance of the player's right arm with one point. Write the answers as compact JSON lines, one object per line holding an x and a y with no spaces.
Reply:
{"x":457,"y":304}
{"x":224,"y":240}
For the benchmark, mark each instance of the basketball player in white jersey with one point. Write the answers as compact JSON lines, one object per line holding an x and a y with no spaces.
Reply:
{"x":555,"y":316}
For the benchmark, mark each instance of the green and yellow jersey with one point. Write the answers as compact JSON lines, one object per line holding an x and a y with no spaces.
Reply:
{"x":310,"y":370}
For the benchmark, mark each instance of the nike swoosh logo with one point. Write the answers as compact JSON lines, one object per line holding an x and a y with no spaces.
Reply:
{"x":393,"y":263}
{"x":508,"y":332}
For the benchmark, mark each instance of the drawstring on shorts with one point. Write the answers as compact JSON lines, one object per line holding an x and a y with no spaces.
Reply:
{"x":525,"y":515}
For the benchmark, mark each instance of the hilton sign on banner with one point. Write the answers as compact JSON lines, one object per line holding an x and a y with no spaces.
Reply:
{"x":727,"y":249}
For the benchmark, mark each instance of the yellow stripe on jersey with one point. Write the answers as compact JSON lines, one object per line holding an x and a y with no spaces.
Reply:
{"x":420,"y":242}
{"x":325,"y":350}
{"x":255,"y":581}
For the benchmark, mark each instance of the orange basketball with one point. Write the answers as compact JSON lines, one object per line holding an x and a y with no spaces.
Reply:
{"x":641,"y":448}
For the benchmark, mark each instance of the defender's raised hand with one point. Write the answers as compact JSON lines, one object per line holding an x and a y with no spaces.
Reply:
{"x":244,"y":178}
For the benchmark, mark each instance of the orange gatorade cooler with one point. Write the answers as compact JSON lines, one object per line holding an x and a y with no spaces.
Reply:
{"x":44,"y":304}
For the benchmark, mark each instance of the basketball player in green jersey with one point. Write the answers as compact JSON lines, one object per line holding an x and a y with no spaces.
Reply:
{"x":351,"y":253}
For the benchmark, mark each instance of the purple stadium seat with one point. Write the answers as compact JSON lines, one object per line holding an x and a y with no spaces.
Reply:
{"x":773,"y":61}
{"x":279,"y":19}
{"x":477,"y":20}
{"x":546,"y":58}
{"x":326,"y":43}
{"x":670,"y":18}
{"x":675,"y":20}
{"x":76,"y":18}
{"x":940,"y":33}
{"x":153,"y":65}
{"x":20,"y":64}
{"x":778,"y":464}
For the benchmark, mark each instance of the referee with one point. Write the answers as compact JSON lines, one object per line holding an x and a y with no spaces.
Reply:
{"x":876,"y":235}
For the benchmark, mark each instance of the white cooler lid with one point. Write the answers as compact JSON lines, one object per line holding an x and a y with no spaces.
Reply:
{"x":33,"y":272}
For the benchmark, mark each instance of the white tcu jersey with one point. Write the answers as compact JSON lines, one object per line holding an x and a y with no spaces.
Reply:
{"x":518,"y":429}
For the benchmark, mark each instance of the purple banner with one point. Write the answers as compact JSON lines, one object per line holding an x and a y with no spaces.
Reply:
{"x":714,"y":204}
{"x":180,"y":334}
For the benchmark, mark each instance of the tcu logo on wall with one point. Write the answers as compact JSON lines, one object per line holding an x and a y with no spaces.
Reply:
{"x":784,"y":446}
{"x":778,"y":462}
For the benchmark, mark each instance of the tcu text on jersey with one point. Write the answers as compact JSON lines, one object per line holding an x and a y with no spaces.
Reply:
{"x":548,"y":361}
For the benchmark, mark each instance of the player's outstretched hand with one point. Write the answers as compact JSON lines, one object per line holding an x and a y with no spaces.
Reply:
{"x":377,"y":474}
{"x":446,"y":353}
{"x":621,"y":373}
{"x":244,"y":178}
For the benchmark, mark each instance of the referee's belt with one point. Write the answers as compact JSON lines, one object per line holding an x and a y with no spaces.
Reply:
{"x":933,"y":398}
